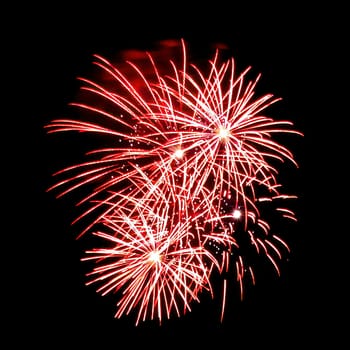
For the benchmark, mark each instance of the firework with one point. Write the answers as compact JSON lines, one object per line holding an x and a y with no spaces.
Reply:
{"x":191,"y":154}
{"x":160,"y":266}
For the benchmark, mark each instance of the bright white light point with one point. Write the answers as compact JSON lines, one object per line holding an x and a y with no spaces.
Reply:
{"x":237,"y":214}
{"x":179,"y":153}
{"x":223,"y":133}
{"x":154,"y":257}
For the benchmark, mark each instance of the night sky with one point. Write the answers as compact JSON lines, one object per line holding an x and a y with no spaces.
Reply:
{"x":53,"y":306}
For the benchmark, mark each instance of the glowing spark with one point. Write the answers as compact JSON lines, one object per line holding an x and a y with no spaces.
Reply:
{"x":236,"y":214}
{"x":223,"y":133}
{"x":155,"y":257}
{"x":179,"y":153}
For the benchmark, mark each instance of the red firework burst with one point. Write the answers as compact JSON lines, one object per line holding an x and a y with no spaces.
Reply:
{"x":190,"y":147}
{"x":159,"y":265}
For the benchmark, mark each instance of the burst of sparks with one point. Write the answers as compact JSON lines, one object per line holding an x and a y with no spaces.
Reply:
{"x":159,"y":271}
{"x":191,"y":152}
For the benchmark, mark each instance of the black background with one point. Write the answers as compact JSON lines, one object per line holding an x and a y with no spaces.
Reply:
{"x":53,"y":44}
